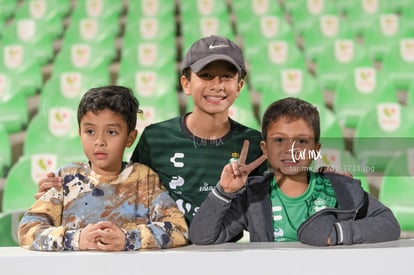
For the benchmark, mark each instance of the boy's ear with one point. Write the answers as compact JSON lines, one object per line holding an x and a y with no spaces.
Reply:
{"x":185,"y":84}
{"x":263,"y":147}
{"x":131,"y":137}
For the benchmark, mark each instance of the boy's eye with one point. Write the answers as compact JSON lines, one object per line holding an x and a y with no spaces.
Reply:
{"x":90,"y":132}
{"x":206,"y":76}
{"x":279,"y":140}
{"x":112,"y":132}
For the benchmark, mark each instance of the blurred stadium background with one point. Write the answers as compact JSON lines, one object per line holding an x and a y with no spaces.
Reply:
{"x":354,"y":59}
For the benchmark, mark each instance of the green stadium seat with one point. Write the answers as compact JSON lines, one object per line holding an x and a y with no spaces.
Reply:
{"x":332,"y":136}
{"x":5,"y":151}
{"x":14,"y":113}
{"x":252,"y":9}
{"x":31,"y":32}
{"x":67,"y":88}
{"x":304,"y":12}
{"x":397,"y":188}
{"x":339,"y":59}
{"x":382,"y":34}
{"x":292,"y":82}
{"x":359,"y":90}
{"x":149,"y":55}
{"x":151,"y":82}
{"x":398,"y":63}
{"x":8,"y":228}
{"x":54,"y":131}
{"x":410,"y":95}
{"x":94,"y":31}
{"x":381,"y":134}
{"x":271,"y":58}
{"x":19,"y":61}
{"x":8,"y":8}
{"x":108,"y":9}
{"x":21,"y":182}
{"x":150,"y":8}
{"x":50,"y":13}
{"x":321,"y":32}
{"x":84,"y":58}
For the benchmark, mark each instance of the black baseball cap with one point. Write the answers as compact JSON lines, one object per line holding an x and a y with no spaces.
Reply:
{"x":213,"y":48}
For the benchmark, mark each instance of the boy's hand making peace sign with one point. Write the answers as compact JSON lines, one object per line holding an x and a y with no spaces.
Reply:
{"x":234,"y":175}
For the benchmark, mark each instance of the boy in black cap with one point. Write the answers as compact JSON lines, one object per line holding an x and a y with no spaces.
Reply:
{"x":189,"y":152}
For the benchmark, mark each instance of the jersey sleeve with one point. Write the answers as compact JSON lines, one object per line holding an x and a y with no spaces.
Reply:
{"x":141,"y":152}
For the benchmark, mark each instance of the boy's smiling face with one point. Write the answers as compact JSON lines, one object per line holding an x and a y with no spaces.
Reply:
{"x":289,"y":146}
{"x":214,"y":88}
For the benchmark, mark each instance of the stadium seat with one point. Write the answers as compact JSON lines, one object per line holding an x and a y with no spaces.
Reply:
{"x":343,"y":161}
{"x":8,"y":227}
{"x":247,"y":10}
{"x":359,"y":90}
{"x":397,"y":188}
{"x":361,"y":14}
{"x":18,"y":60}
{"x":94,"y":31}
{"x":292,"y":82}
{"x":151,"y":82}
{"x":107,"y":9}
{"x":382,"y":34}
{"x":339,"y":59}
{"x":271,"y":58}
{"x":382,"y":133}
{"x":332,"y":136}
{"x":85,"y":58}
{"x":54,"y":131}
{"x":50,"y":13}
{"x":8,"y":8}
{"x":398,"y":63}
{"x":147,"y":55}
{"x":262,"y":30}
{"x":5,"y":151}
{"x":67,"y":88}
{"x":21,"y":182}
{"x":322,"y":31}
{"x":303,"y":12}
{"x":31,"y":32}
{"x":410,"y":95}
{"x":150,"y":8}
{"x":14,"y":113}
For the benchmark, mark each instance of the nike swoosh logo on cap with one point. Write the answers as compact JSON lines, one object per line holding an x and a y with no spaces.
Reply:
{"x":217,"y":46}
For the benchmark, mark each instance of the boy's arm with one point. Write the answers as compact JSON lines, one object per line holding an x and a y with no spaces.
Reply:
{"x":166,"y":226}
{"x":40,"y":227}
{"x":218,"y":220}
{"x":379,"y":225}
{"x":370,"y":222}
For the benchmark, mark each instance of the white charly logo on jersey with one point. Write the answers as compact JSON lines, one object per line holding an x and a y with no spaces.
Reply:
{"x":184,"y":207}
{"x":177,"y":163}
{"x":176,"y":181}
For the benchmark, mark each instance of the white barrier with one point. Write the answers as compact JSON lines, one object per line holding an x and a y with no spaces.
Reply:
{"x":387,"y":258}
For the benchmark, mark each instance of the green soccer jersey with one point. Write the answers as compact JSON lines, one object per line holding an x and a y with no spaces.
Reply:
{"x":189,"y":166}
{"x":290,"y":212}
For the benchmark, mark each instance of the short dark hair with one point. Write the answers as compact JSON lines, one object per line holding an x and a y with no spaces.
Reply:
{"x":118,"y":99}
{"x":292,"y":108}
